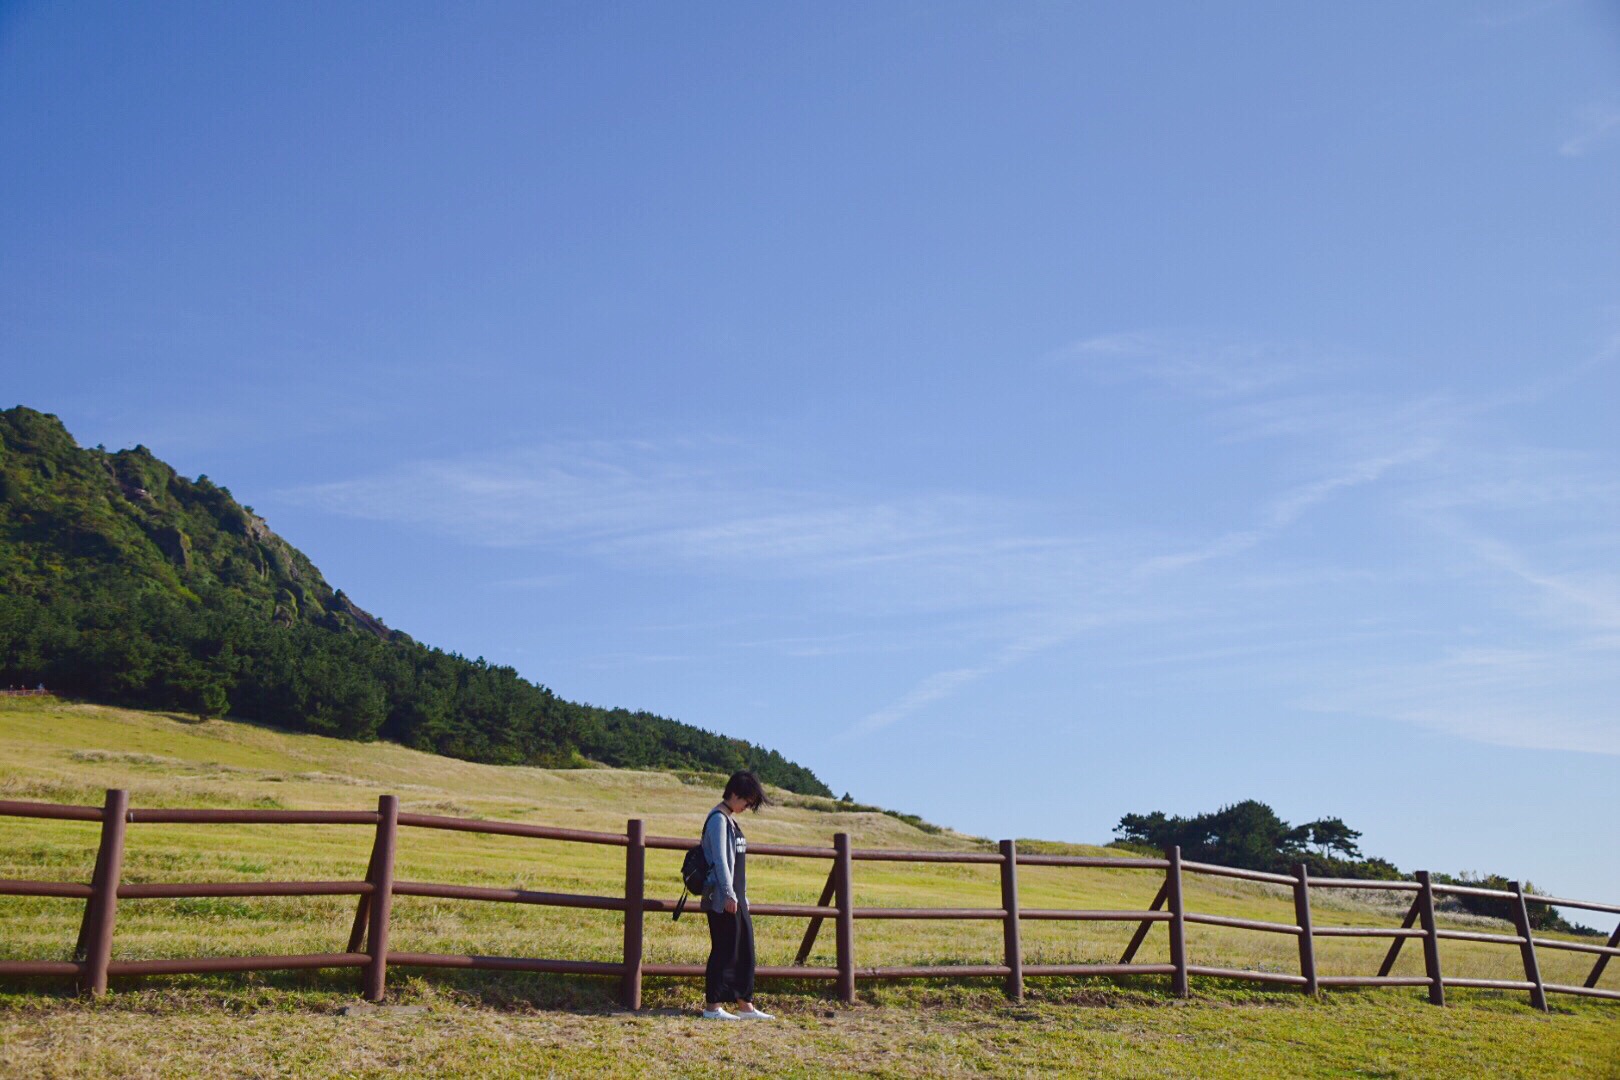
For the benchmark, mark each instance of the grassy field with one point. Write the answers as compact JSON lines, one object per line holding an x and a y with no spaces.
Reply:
{"x":454,"y":1023}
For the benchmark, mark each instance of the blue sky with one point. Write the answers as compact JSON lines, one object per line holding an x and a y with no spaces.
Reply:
{"x":1023,"y":414}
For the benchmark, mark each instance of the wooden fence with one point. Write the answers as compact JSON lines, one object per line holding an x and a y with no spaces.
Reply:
{"x":368,"y":947}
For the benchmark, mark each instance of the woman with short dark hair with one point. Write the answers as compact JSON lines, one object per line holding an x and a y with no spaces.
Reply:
{"x":729,"y":977}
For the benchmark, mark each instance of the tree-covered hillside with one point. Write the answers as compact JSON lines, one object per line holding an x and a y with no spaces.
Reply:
{"x":124,"y":582}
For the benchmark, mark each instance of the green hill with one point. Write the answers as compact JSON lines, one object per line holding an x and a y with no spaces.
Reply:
{"x":123,"y":582}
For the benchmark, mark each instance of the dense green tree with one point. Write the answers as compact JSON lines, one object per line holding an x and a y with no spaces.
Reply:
{"x":1331,"y":835}
{"x":1249,"y":834}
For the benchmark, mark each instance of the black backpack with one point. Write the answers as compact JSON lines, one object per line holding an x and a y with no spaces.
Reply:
{"x":694,"y":872}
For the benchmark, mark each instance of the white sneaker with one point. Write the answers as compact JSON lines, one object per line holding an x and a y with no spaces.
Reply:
{"x":755,"y":1014}
{"x":719,"y":1014}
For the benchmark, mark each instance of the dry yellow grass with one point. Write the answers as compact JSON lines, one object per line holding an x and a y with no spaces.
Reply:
{"x":64,"y":752}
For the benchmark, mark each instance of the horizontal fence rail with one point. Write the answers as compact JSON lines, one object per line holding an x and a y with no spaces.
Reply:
{"x":368,"y":949}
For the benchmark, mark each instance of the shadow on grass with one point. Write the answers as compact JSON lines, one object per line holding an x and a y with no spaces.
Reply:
{"x":323,"y":991}
{"x":327,"y":990}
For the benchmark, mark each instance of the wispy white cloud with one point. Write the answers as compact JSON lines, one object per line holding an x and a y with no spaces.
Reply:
{"x":943,"y":684}
{"x":1587,"y":600}
{"x":659,"y":504}
{"x":1595,"y":125}
{"x":1350,"y":422}
{"x":689,"y":510}
{"x":1532,"y":698}
{"x":1282,"y":511}
{"x":1544,"y":676}
{"x":1287,"y":508}
{"x":1199,"y":366}
{"x":1434,"y":490}
{"x":1453,"y":466}
{"x":1522,"y":480}
{"x":1275,"y":517}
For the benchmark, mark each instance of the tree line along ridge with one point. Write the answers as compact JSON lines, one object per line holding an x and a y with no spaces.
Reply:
{"x":125,"y":583}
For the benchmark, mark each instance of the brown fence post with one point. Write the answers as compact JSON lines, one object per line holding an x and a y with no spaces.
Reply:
{"x":1603,"y":961}
{"x":382,"y":897}
{"x":97,"y":872}
{"x":1145,"y":925}
{"x":1532,"y":968}
{"x":1012,"y":946}
{"x":635,"y":888}
{"x":815,"y":924}
{"x":1178,"y":922}
{"x":362,"y":910}
{"x":101,"y":909}
{"x":1431,"y":939}
{"x":1302,"y":916}
{"x":846,"y":919}
{"x":1395,"y":946}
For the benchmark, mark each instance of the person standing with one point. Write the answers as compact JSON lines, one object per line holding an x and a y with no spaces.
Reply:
{"x":729,"y":976}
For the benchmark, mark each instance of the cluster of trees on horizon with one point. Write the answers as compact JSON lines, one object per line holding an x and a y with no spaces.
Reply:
{"x":125,"y":583}
{"x":129,"y":648}
{"x":1250,"y":835}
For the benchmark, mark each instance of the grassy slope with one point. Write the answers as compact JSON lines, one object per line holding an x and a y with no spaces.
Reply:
{"x":284,"y":1022}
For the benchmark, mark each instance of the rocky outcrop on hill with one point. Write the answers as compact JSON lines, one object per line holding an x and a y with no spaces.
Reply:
{"x":128,"y":514}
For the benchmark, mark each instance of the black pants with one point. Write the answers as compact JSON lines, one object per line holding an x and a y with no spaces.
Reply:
{"x":730,"y":974}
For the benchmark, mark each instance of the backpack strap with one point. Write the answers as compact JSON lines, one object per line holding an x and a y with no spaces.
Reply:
{"x":728,"y":845}
{"x":733,"y":830}
{"x":727,"y":825}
